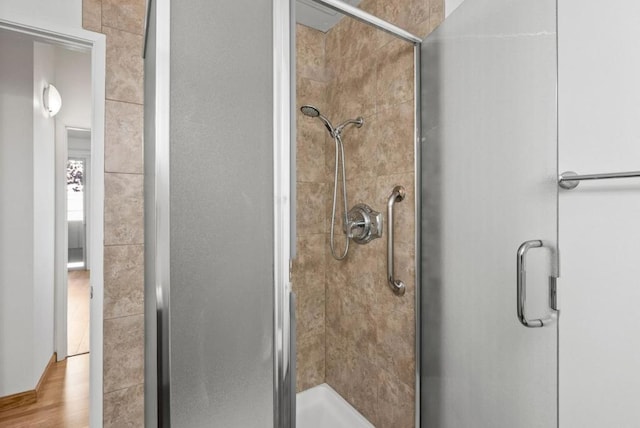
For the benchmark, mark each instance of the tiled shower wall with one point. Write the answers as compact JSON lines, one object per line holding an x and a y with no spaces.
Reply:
{"x":368,"y":333}
{"x":122,"y":22}
{"x":309,"y":265}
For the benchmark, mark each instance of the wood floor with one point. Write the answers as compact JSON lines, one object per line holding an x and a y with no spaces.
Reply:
{"x":63,"y":400}
{"x":78,"y":300}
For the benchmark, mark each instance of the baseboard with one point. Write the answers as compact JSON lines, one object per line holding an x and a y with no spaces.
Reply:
{"x":45,"y":374}
{"x":27,"y":397}
{"x":18,"y":400}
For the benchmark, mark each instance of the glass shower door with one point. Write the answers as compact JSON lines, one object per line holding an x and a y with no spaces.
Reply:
{"x":489,"y":184}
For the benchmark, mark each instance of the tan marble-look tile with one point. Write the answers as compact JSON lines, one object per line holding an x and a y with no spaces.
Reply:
{"x":334,"y":38}
{"x":349,"y":41}
{"x":406,"y":15}
{"x":360,"y":146}
{"x":420,"y":14}
{"x":363,"y":394}
{"x":355,"y":296}
{"x":351,"y":372}
{"x":124,"y":408}
{"x":395,"y":78}
{"x":124,"y":15}
{"x":390,"y":11}
{"x":123,"y":137}
{"x":310,"y":150}
{"x":310,"y":362}
{"x":338,"y":366}
{"x":92,"y":15}
{"x":123,"y":209}
{"x":311,"y":92}
{"x":352,"y":92}
{"x":396,"y":408}
{"x":394,"y":131}
{"x":310,"y":208}
{"x":436,"y":12}
{"x":125,"y":68}
{"x":309,"y":264}
{"x":310,"y":312}
{"x":309,"y":285}
{"x":403,"y":212}
{"x":123,"y":280}
{"x":357,"y":332}
{"x":310,"y":62}
{"x":395,"y":348}
{"x":311,"y":143}
{"x":123,"y":352}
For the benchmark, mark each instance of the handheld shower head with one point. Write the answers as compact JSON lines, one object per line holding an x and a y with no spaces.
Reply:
{"x":312,"y":111}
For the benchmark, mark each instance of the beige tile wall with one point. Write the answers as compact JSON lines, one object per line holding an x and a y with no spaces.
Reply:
{"x":122,"y":22}
{"x":309,"y":265}
{"x":369,"y":332}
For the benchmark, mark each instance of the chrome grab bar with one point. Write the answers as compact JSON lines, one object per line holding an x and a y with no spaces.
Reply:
{"x":397,"y":195}
{"x":522,"y":287}
{"x":570,"y":180}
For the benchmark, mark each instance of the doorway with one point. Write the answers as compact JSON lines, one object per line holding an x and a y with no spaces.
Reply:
{"x":78,"y":190}
{"x":43,"y":67}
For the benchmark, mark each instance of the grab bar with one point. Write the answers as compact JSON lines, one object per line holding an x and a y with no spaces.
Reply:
{"x":570,"y":180}
{"x":397,"y":195}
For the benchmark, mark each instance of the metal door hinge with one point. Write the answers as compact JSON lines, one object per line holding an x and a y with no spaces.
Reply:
{"x":91,"y":292}
{"x":290,"y":269}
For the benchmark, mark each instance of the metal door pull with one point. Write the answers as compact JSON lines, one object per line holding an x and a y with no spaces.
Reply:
{"x":522,"y":287}
{"x":397,"y":195}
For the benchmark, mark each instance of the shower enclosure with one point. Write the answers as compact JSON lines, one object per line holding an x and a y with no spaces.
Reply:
{"x":246,"y":304}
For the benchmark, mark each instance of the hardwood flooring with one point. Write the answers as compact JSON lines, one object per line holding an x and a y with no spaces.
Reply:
{"x":78,"y":301}
{"x":63,"y":400}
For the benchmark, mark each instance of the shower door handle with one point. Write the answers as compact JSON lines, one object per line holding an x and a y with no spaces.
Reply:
{"x":521,"y":283}
{"x":397,"y":195}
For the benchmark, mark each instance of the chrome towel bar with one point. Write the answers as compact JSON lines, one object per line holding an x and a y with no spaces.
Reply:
{"x":570,"y":180}
{"x":397,"y":195}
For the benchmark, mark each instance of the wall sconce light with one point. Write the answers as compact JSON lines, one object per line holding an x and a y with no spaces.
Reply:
{"x":51,"y":100}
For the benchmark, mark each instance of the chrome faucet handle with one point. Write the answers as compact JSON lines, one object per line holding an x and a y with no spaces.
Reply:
{"x":363,"y":224}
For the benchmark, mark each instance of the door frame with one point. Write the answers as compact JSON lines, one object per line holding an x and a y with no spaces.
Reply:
{"x":95,"y":43}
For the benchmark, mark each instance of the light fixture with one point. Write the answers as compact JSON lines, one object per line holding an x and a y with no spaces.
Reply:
{"x":51,"y":100}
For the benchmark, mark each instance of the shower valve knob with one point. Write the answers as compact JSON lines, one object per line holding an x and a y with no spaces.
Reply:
{"x":363,"y":224}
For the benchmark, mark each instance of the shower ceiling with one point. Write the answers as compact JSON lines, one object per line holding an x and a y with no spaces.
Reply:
{"x":321,"y":18}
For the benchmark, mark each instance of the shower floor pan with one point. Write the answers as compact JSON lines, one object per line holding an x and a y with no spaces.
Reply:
{"x":322,"y":407}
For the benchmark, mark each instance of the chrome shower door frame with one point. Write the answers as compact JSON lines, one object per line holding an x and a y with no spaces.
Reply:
{"x":284,"y":192}
{"x":283,"y":88}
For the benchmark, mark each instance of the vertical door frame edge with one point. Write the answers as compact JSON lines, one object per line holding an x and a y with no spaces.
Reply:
{"x":417,"y":182}
{"x":282,"y":212}
{"x":162,"y":208}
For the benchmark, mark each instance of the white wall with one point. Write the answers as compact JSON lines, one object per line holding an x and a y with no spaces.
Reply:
{"x":16,"y":214}
{"x":44,"y":209}
{"x":73,"y":80}
{"x":27,"y":222}
{"x":59,"y":12}
{"x":599,"y":95}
